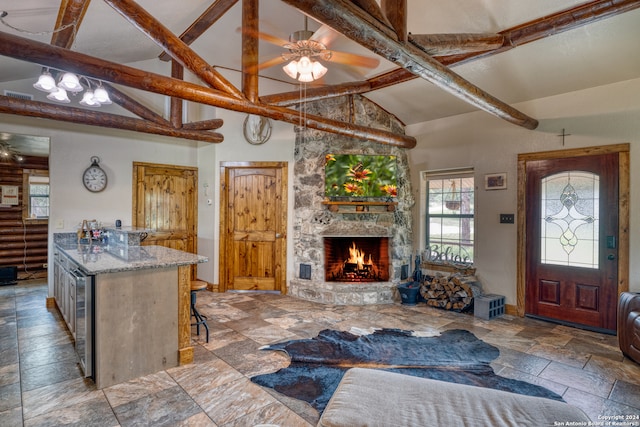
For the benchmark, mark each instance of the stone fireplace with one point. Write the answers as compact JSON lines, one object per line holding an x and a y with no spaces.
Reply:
{"x":317,"y":225}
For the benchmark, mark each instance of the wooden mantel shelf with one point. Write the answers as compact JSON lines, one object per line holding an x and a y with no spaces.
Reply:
{"x":351,"y":206}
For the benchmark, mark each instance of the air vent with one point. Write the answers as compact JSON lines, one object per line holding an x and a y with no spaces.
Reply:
{"x":18,"y":95}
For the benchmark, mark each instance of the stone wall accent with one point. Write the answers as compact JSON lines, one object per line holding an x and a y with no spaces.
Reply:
{"x":312,"y":220}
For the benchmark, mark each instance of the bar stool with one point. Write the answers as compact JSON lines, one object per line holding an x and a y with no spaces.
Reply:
{"x":196,"y":286}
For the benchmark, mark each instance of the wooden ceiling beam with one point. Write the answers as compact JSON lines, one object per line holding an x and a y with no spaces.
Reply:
{"x":130,"y":104}
{"x":372,"y":8}
{"x":209,"y":17}
{"x":250,"y":50}
{"x":204,"y":124}
{"x":359,"y":29}
{"x":30,"y":50}
{"x":396,"y":13}
{"x":168,"y":41}
{"x":318,"y":93}
{"x":70,"y":15}
{"x":456,"y":44}
{"x":65,"y":113}
{"x":175,"y":105}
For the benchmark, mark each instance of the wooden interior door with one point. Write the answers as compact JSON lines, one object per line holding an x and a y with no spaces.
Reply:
{"x":165,"y":201}
{"x":253,"y":211}
{"x":572,"y":240}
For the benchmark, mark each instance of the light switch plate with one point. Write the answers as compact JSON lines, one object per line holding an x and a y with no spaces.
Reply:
{"x":507,"y":218}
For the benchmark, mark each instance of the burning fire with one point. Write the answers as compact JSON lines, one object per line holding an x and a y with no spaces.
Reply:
{"x":356,"y":256}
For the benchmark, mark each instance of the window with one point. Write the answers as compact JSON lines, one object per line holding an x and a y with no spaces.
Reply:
{"x":450,"y":216}
{"x":36,"y":194}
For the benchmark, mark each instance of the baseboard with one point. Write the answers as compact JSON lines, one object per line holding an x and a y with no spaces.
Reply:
{"x":511,"y":309}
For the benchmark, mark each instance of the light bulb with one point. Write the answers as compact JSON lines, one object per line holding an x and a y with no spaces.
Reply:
{"x":70,"y":82}
{"x":305,"y":77}
{"x":291,"y":69}
{"x":60,"y":95}
{"x":318,"y":70}
{"x":101,"y":95}
{"x":46,"y":82}
{"x":304,"y":65}
{"x":89,"y":100}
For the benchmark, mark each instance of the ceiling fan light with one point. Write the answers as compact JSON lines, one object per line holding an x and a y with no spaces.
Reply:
{"x":46,"y":82}
{"x":305,"y":77}
{"x":318,"y":70}
{"x":291,"y":69}
{"x":60,"y":95}
{"x":70,"y":82}
{"x":89,"y":100}
{"x":101,"y":95}
{"x":305,"y":65}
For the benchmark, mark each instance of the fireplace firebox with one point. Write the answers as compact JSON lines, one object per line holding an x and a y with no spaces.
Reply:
{"x":356,"y":259}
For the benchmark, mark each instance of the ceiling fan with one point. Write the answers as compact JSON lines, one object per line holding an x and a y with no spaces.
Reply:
{"x":305,"y":50}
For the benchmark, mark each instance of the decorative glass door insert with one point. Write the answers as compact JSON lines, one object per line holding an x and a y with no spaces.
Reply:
{"x":570,"y":205}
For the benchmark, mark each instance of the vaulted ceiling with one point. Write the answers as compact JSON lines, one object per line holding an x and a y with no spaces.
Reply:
{"x":436,"y":58}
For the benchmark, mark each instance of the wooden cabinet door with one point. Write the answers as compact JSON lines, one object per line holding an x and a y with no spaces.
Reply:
{"x":253,"y":226}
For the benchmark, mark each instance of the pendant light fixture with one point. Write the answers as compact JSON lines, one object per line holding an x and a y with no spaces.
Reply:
{"x":70,"y":82}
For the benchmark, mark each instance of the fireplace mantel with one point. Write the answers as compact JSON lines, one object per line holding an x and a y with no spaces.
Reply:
{"x":352,"y":206}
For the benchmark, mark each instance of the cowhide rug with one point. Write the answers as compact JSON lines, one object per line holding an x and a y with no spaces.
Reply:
{"x":318,"y":364}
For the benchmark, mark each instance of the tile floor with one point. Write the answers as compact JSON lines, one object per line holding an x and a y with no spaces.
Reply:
{"x":41,"y":384}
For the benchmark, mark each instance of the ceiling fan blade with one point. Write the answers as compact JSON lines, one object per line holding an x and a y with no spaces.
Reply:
{"x":266,"y":37}
{"x":325,"y":35}
{"x":354,"y":59}
{"x":271,"y":62}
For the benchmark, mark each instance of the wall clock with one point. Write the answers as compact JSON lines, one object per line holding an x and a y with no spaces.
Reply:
{"x":94,"y":177}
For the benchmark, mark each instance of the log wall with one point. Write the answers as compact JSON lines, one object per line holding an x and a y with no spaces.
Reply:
{"x":22,"y":243}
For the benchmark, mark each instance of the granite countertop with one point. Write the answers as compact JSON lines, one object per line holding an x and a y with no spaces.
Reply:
{"x":99,"y":258}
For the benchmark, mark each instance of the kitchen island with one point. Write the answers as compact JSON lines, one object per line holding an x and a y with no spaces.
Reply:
{"x":136,"y":303}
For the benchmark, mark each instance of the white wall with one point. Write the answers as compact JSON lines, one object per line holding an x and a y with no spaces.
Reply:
{"x":597,"y":116}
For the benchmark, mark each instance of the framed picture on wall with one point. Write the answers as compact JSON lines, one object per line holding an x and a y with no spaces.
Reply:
{"x":495,"y":181}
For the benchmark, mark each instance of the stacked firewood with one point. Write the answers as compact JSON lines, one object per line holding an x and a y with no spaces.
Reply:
{"x":450,"y":292}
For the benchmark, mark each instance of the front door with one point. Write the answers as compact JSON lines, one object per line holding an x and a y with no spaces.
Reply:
{"x":572,"y":240}
{"x":165,"y":201}
{"x":253,"y":211}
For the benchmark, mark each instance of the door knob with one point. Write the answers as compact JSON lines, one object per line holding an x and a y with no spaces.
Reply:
{"x":278,"y":235}
{"x":611,"y":257}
